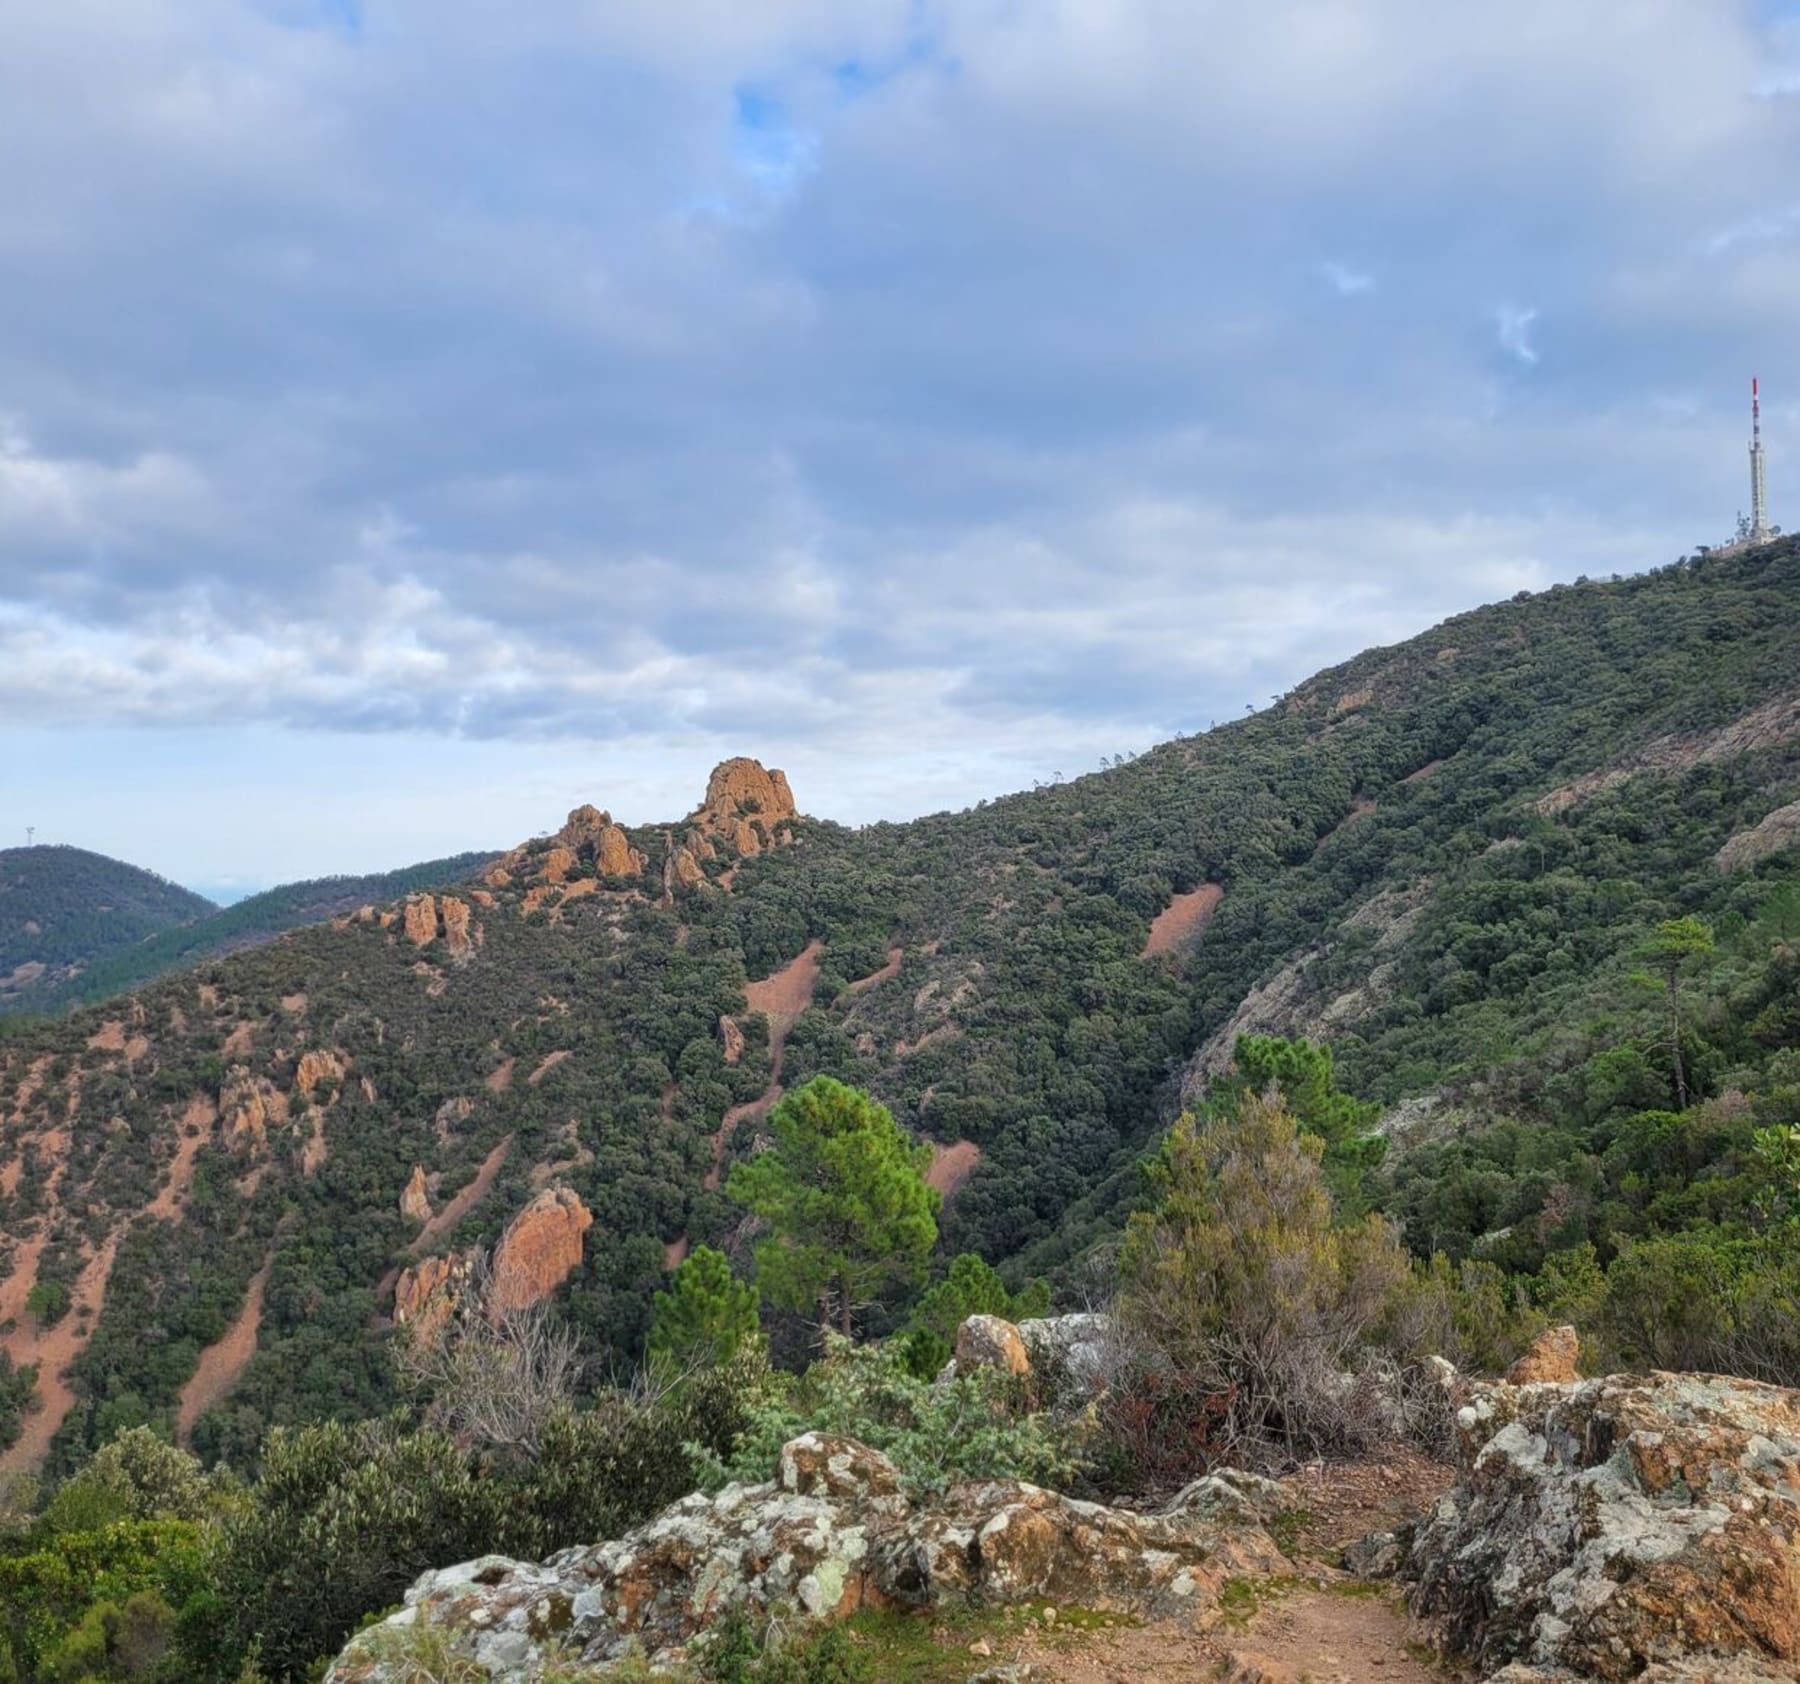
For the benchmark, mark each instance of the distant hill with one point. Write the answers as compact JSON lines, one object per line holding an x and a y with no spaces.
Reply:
{"x":63,"y":910}
{"x":202,"y":930}
{"x":1444,"y":858}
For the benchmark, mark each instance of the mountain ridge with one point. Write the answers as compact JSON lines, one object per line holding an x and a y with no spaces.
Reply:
{"x":984,"y":973}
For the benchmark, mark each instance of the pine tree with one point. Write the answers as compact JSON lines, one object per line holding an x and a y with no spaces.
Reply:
{"x":843,"y":1193}
{"x":706,"y":1315}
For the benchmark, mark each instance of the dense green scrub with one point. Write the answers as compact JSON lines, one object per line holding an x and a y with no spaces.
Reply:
{"x":1443,"y":859}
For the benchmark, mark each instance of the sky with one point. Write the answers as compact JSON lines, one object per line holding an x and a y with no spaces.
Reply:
{"x":420,"y":416}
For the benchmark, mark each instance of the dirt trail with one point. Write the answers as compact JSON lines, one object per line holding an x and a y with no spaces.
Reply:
{"x":195,"y":1130}
{"x":1318,"y":1626}
{"x":551,"y":1060}
{"x":223,"y":1362}
{"x":52,"y":1351}
{"x":30,"y":1085}
{"x":876,"y":978}
{"x":1342,"y":1635}
{"x":1182,"y":920}
{"x":460,"y":1205}
{"x":781,"y":998}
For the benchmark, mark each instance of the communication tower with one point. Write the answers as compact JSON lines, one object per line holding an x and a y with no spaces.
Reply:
{"x":1759,"y":488}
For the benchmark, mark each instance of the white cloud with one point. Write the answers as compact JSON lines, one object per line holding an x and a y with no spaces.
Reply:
{"x":1346,"y":281}
{"x":1514,"y":326}
{"x":955,"y":384}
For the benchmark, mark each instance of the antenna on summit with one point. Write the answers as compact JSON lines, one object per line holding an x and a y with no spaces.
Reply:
{"x":1759,"y":488}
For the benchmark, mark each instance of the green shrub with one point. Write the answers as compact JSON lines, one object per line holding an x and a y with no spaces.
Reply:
{"x":737,"y":1654}
{"x":972,"y":1427}
{"x":48,"y":1592}
{"x":137,"y":1476}
{"x":601,"y":1471}
{"x":47,"y":1302}
{"x":1241,"y":1290}
{"x":344,"y":1518}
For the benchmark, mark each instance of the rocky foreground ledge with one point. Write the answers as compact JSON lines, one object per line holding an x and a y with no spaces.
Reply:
{"x":830,"y":1534}
{"x":1620,"y":1528}
{"x":1631,"y":1527}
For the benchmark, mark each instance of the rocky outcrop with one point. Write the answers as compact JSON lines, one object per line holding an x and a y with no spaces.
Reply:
{"x":415,"y":1201}
{"x":594,"y":838}
{"x":1551,"y":1359}
{"x":314,"y":1068}
{"x":1613,"y":1527}
{"x":831,"y":1533}
{"x":540,"y":1249}
{"x":426,"y":1294}
{"x":249,"y":1106}
{"x":1774,"y":835}
{"x":731,"y":1040}
{"x":455,"y":914}
{"x":681,"y":871}
{"x":614,"y":855}
{"x":746,"y":806}
{"x":419,"y":920}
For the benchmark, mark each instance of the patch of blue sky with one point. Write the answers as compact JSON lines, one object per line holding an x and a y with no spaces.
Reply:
{"x":857,"y":78}
{"x":775,"y":152}
{"x":340,"y":17}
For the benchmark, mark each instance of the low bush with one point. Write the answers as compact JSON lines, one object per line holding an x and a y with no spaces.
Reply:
{"x":1245,"y":1304}
{"x":975,"y":1426}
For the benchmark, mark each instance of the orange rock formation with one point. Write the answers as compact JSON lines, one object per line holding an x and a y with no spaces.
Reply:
{"x":540,"y":1249}
{"x":421,"y":920}
{"x":415,"y":1202}
{"x":745,"y":805}
{"x":456,"y":923}
{"x":249,"y":1104}
{"x":314,"y":1068}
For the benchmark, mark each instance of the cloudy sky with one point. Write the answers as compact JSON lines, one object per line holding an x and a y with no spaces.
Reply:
{"x":417,"y":416}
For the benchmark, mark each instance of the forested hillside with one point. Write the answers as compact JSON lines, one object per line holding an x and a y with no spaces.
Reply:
{"x":215,"y":930}
{"x":64,"y":909}
{"x":1455,"y":861}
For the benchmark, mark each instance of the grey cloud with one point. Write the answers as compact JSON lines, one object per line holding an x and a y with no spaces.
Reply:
{"x":452,"y":374}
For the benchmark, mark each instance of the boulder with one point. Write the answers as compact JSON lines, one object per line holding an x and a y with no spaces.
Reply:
{"x":990,"y":1342}
{"x":1378,"y":1555}
{"x":1604,"y":1527}
{"x":832,"y":1532}
{"x":1232,"y":1494}
{"x":1551,"y":1359}
{"x":1069,"y":1350}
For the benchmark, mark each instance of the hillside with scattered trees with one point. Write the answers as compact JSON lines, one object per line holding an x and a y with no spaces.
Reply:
{"x":1528,"y":877}
{"x":63,"y":910}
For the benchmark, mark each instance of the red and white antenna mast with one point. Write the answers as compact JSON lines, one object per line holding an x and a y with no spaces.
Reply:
{"x":1759,"y":489}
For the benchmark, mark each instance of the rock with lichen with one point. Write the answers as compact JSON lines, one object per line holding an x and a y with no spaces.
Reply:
{"x":831,"y":1533}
